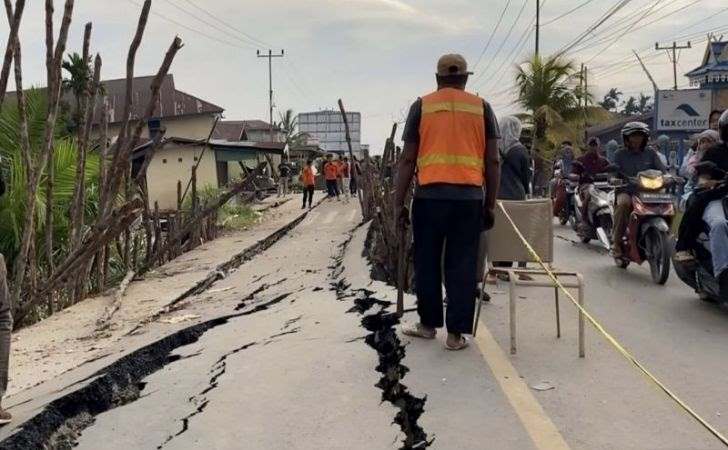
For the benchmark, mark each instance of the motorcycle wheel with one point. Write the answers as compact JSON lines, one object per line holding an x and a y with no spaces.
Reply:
{"x":659,"y":254}
{"x":605,"y":222}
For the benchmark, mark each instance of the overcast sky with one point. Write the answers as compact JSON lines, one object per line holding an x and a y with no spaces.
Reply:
{"x":378,"y":55}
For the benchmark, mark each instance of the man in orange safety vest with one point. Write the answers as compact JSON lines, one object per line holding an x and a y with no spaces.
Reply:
{"x":450,"y":141}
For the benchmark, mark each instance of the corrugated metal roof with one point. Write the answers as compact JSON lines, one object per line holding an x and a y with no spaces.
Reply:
{"x":172,"y":102}
{"x":232,"y":130}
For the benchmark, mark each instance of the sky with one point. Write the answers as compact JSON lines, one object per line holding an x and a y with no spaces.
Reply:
{"x":377,"y":55}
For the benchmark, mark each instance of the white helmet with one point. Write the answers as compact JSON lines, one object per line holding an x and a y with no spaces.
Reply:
{"x":636,"y":127}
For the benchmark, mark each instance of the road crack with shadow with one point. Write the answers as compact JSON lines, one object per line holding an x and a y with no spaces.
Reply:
{"x":61,"y":422}
{"x":200,"y":400}
{"x":383,"y":339}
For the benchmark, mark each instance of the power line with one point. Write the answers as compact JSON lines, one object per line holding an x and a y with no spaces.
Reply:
{"x":188,"y":28}
{"x":251,"y":38}
{"x":495,"y":30}
{"x":605,"y":17}
{"x":209,"y":24}
{"x":508,"y":35}
{"x":621,"y":32}
{"x":628,"y":30}
{"x":567,"y":13}
{"x":616,"y":28}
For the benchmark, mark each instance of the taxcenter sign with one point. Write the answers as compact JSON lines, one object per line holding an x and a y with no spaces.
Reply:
{"x":686,"y":110}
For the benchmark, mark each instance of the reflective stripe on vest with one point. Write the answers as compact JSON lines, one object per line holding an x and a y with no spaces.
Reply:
{"x":452,"y":139}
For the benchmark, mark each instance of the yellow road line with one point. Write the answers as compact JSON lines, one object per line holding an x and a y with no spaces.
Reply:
{"x":540,"y":428}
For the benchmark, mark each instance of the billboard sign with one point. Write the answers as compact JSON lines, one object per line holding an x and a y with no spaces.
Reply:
{"x":686,"y":110}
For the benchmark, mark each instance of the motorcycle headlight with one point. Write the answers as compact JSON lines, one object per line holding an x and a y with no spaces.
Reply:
{"x":652,"y":184}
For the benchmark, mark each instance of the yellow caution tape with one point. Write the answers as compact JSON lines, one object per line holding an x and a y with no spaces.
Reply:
{"x":611,"y":338}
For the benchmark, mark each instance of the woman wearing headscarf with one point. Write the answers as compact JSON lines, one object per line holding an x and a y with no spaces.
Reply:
{"x":705,"y":140}
{"x":515,"y":167}
{"x":515,"y":162}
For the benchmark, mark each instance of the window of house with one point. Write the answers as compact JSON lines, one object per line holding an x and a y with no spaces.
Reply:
{"x":195,"y":158}
{"x":164,"y":161}
{"x":179,"y":159}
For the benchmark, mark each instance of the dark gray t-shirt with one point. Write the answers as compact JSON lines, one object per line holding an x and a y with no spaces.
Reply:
{"x":411,"y":135}
{"x":631,"y":163}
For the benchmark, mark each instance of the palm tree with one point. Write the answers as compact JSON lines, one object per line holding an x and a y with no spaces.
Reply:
{"x":80,"y":73}
{"x":630,"y":107}
{"x":543,"y":90}
{"x":288,"y":123}
{"x":12,"y":204}
{"x":611,"y":99}
{"x":645,"y":103}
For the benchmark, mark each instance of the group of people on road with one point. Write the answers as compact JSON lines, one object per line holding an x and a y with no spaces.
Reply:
{"x":462,"y":160}
{"x":339,"y":177}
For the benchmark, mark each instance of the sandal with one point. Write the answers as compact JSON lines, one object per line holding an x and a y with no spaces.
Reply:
{"x":418,"y":331}
{"x":460,"y":345}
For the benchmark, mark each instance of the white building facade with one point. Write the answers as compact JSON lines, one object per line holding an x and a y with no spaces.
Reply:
{"x":327,"y":127}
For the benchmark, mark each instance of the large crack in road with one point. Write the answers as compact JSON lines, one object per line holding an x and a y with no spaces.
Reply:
{"x":62,"y":421}
{"x":383,"y":339}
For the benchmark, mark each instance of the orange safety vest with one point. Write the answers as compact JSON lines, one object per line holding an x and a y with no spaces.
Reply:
{"x":308,"y":178}
{"x":452,"y":139}
{"x":331,"y":171}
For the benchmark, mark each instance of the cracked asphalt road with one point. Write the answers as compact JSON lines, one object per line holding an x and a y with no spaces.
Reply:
{"x":294,"y":367}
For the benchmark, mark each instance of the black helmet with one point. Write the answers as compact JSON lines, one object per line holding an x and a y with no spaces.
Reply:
{"x":723,"y":126}
{"x":636,"y":127}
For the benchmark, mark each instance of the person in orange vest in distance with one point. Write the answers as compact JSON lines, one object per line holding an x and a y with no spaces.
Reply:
{"x":331,"y":174}
{"x":308,"y":178}
{"x":451,"y":140}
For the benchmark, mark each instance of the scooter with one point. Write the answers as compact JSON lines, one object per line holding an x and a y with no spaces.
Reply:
{"x":648,"y":231}
{"x":599,"y":221}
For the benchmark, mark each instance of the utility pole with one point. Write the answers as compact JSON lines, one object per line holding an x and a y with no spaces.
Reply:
{"x":585,"y":94}
{"x":270,"y":57}
{"x":538,"y":25}
{"x":674,"y":47}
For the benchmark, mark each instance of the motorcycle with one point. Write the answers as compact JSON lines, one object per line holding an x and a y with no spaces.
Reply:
{"x":698,"y":273}
{"x":647,"y":236}
{"x":563,"y":194}
{"x":599,"y":221}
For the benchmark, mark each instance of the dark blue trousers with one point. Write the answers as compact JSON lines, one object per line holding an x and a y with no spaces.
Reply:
{"x":452,"y":226}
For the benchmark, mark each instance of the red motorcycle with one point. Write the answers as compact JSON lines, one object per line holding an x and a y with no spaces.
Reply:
{"x":648,"y":231}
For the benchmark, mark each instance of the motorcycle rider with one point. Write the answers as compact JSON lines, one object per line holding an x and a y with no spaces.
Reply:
{"x":634,"y":158}
{"x":563,"y":166}
{"x":708,"y":204}
{"x":588,"y":166}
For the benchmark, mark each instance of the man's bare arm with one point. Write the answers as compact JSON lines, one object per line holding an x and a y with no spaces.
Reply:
{"x":492,"y":174}
{"x":405,"y":172}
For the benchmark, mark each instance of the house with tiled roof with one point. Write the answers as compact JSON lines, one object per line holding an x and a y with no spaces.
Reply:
{"x":713,"y":73}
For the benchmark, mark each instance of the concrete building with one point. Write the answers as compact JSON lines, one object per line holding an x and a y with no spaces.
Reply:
{"x":327,"y":127}
{"x":239,"y":143}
